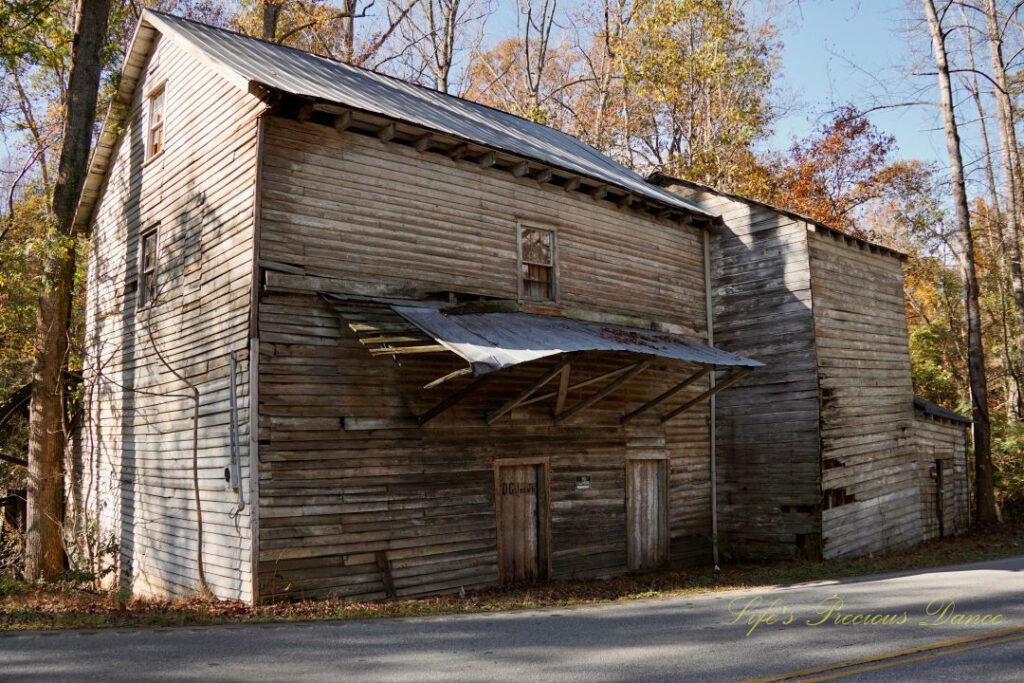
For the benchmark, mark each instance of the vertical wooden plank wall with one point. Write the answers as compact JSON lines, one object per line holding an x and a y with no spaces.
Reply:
{"x":136,"y":443}
{"x":350,"y":210}
{"x":768,"y":460}
{"x":870,"y":469}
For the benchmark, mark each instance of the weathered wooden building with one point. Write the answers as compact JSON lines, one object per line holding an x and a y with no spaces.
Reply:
{"x":822,"y":452}
{"x":350,"y":336}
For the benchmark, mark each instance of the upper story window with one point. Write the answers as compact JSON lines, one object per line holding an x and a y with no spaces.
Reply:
{"x":537,"y":264}
{"x":148,"y":256}
{"x":155,"y":127}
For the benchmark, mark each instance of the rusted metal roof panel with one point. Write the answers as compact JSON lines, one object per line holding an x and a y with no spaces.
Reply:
{"x":299,"y":73}
{"x":494,"y":341}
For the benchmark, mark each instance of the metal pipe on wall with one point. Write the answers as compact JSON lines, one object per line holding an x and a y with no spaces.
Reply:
{"x":711,"y":403}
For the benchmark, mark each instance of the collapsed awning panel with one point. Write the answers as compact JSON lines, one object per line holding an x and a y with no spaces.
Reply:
{"x":494,"y":341}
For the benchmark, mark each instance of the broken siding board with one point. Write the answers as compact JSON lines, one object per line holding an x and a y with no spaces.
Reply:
{"x":204,"y":206}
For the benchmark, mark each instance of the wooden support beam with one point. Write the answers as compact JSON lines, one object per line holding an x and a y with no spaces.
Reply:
{"x":459,"y":152}
{"x":305,"y":113}
{"x":384,"y":568}
{"x":695,"y":377}
{"x":405,"y":350}
{"x":626,"y":201}
{"x":725,"y":384}
{"x":563,"y":389}
{"x":329,"y":108}
{"x":578,"y":385}
{"x":424,"y":142}
{"x":386,"y":133}
{"x":631,"y":372}
{"x":520,"y":169}
{"x":572,"y":184}
{"x":342,"y":121}
{"x":529,"y":391}
{"x":600,"y":192}
{"x":544,"y":176}
{"x":451,"y":375}
{"x":487,"y":160}
{"x":451,"y":400}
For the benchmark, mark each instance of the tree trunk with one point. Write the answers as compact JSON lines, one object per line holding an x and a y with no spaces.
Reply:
{"x":984,"y":493}
{"x":44,"y":551}
{"x":271,"y":16}
{"x":1011,"y":173}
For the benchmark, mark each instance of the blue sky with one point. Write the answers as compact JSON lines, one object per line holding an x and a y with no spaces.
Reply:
{"x":859,"y":52}
{"x":838,"y":52}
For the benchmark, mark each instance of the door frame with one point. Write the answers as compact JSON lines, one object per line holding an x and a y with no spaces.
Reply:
{"x":665,"y":476}
{"x":543,"y":510}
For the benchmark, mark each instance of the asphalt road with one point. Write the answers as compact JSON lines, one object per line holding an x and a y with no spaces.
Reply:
{"x":693,"y":638}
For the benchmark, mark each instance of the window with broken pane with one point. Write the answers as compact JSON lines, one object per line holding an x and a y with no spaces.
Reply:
{"x":537,"y":269}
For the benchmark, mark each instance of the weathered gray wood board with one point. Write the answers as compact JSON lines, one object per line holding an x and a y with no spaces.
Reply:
{"x":647,"y":534}
{"x":331,"y":498}
{"x":769,"y":493}
{"x":942,"y":440}
{"x":345,"y":210}
{"x":870,"y":471}
{"x":818,"y":453}
{"x":137,"y":437}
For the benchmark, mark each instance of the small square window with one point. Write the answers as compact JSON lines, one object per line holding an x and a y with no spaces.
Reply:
{"x":148,"y":254}
{"x":537,"y":264}
{"x":155,"y":129}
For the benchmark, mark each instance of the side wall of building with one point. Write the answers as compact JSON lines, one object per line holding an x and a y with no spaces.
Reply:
{"x":336,"y":505}
{"x":768,"y":464}
{"x":870,"y":470}
{"x":944,"y":440}
{"x":145,"y":364}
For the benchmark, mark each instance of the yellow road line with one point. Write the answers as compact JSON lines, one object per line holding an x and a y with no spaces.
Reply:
{"x":1003,"y":635}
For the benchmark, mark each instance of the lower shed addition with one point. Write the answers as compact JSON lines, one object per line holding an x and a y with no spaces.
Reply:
{"x":940,"y":437}
{"x":392,"y":468}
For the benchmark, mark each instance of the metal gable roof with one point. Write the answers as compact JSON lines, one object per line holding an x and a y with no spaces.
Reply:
{"x":494,"y":341}
{"x":303,"y":74}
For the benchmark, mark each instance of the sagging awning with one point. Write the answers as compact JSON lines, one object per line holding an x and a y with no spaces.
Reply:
{"x":495,"y":341}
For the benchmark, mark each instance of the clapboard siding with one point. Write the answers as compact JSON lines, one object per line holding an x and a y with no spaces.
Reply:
{"x":871,"y":471}
{"x":137,"y":441}
{"x":353,"y":212}
{"x":330,"y":498}
{"x":939,"y":439}
{"x":769,"y":494}
{"x":420,"y":220}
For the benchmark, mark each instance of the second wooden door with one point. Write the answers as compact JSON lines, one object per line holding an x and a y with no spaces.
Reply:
{"x":646,"y":514}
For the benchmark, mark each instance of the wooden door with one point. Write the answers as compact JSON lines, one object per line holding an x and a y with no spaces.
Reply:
{"x":521,"y":516}
{"x":646,"y":514}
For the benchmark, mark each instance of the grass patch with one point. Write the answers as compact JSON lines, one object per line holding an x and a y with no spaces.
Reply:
{"x":28,"y":607}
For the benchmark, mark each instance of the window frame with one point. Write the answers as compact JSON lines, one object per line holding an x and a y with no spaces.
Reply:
{"x":144,"y":299}
{"x":159,"y":91}
{"x":554,"y":285}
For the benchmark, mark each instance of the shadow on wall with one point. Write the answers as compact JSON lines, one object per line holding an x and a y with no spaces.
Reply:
{"x":143,"y":367}
{"x":769,"y":492}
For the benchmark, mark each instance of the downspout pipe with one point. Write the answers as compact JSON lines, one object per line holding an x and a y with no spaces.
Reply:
{"x":711,"y":403}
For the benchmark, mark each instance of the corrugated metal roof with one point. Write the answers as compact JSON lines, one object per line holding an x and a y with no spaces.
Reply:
{"x":303,"y":74}
{"x":935,"y":410}
{"x":662,"y":180}
{"x":493,"y":341}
